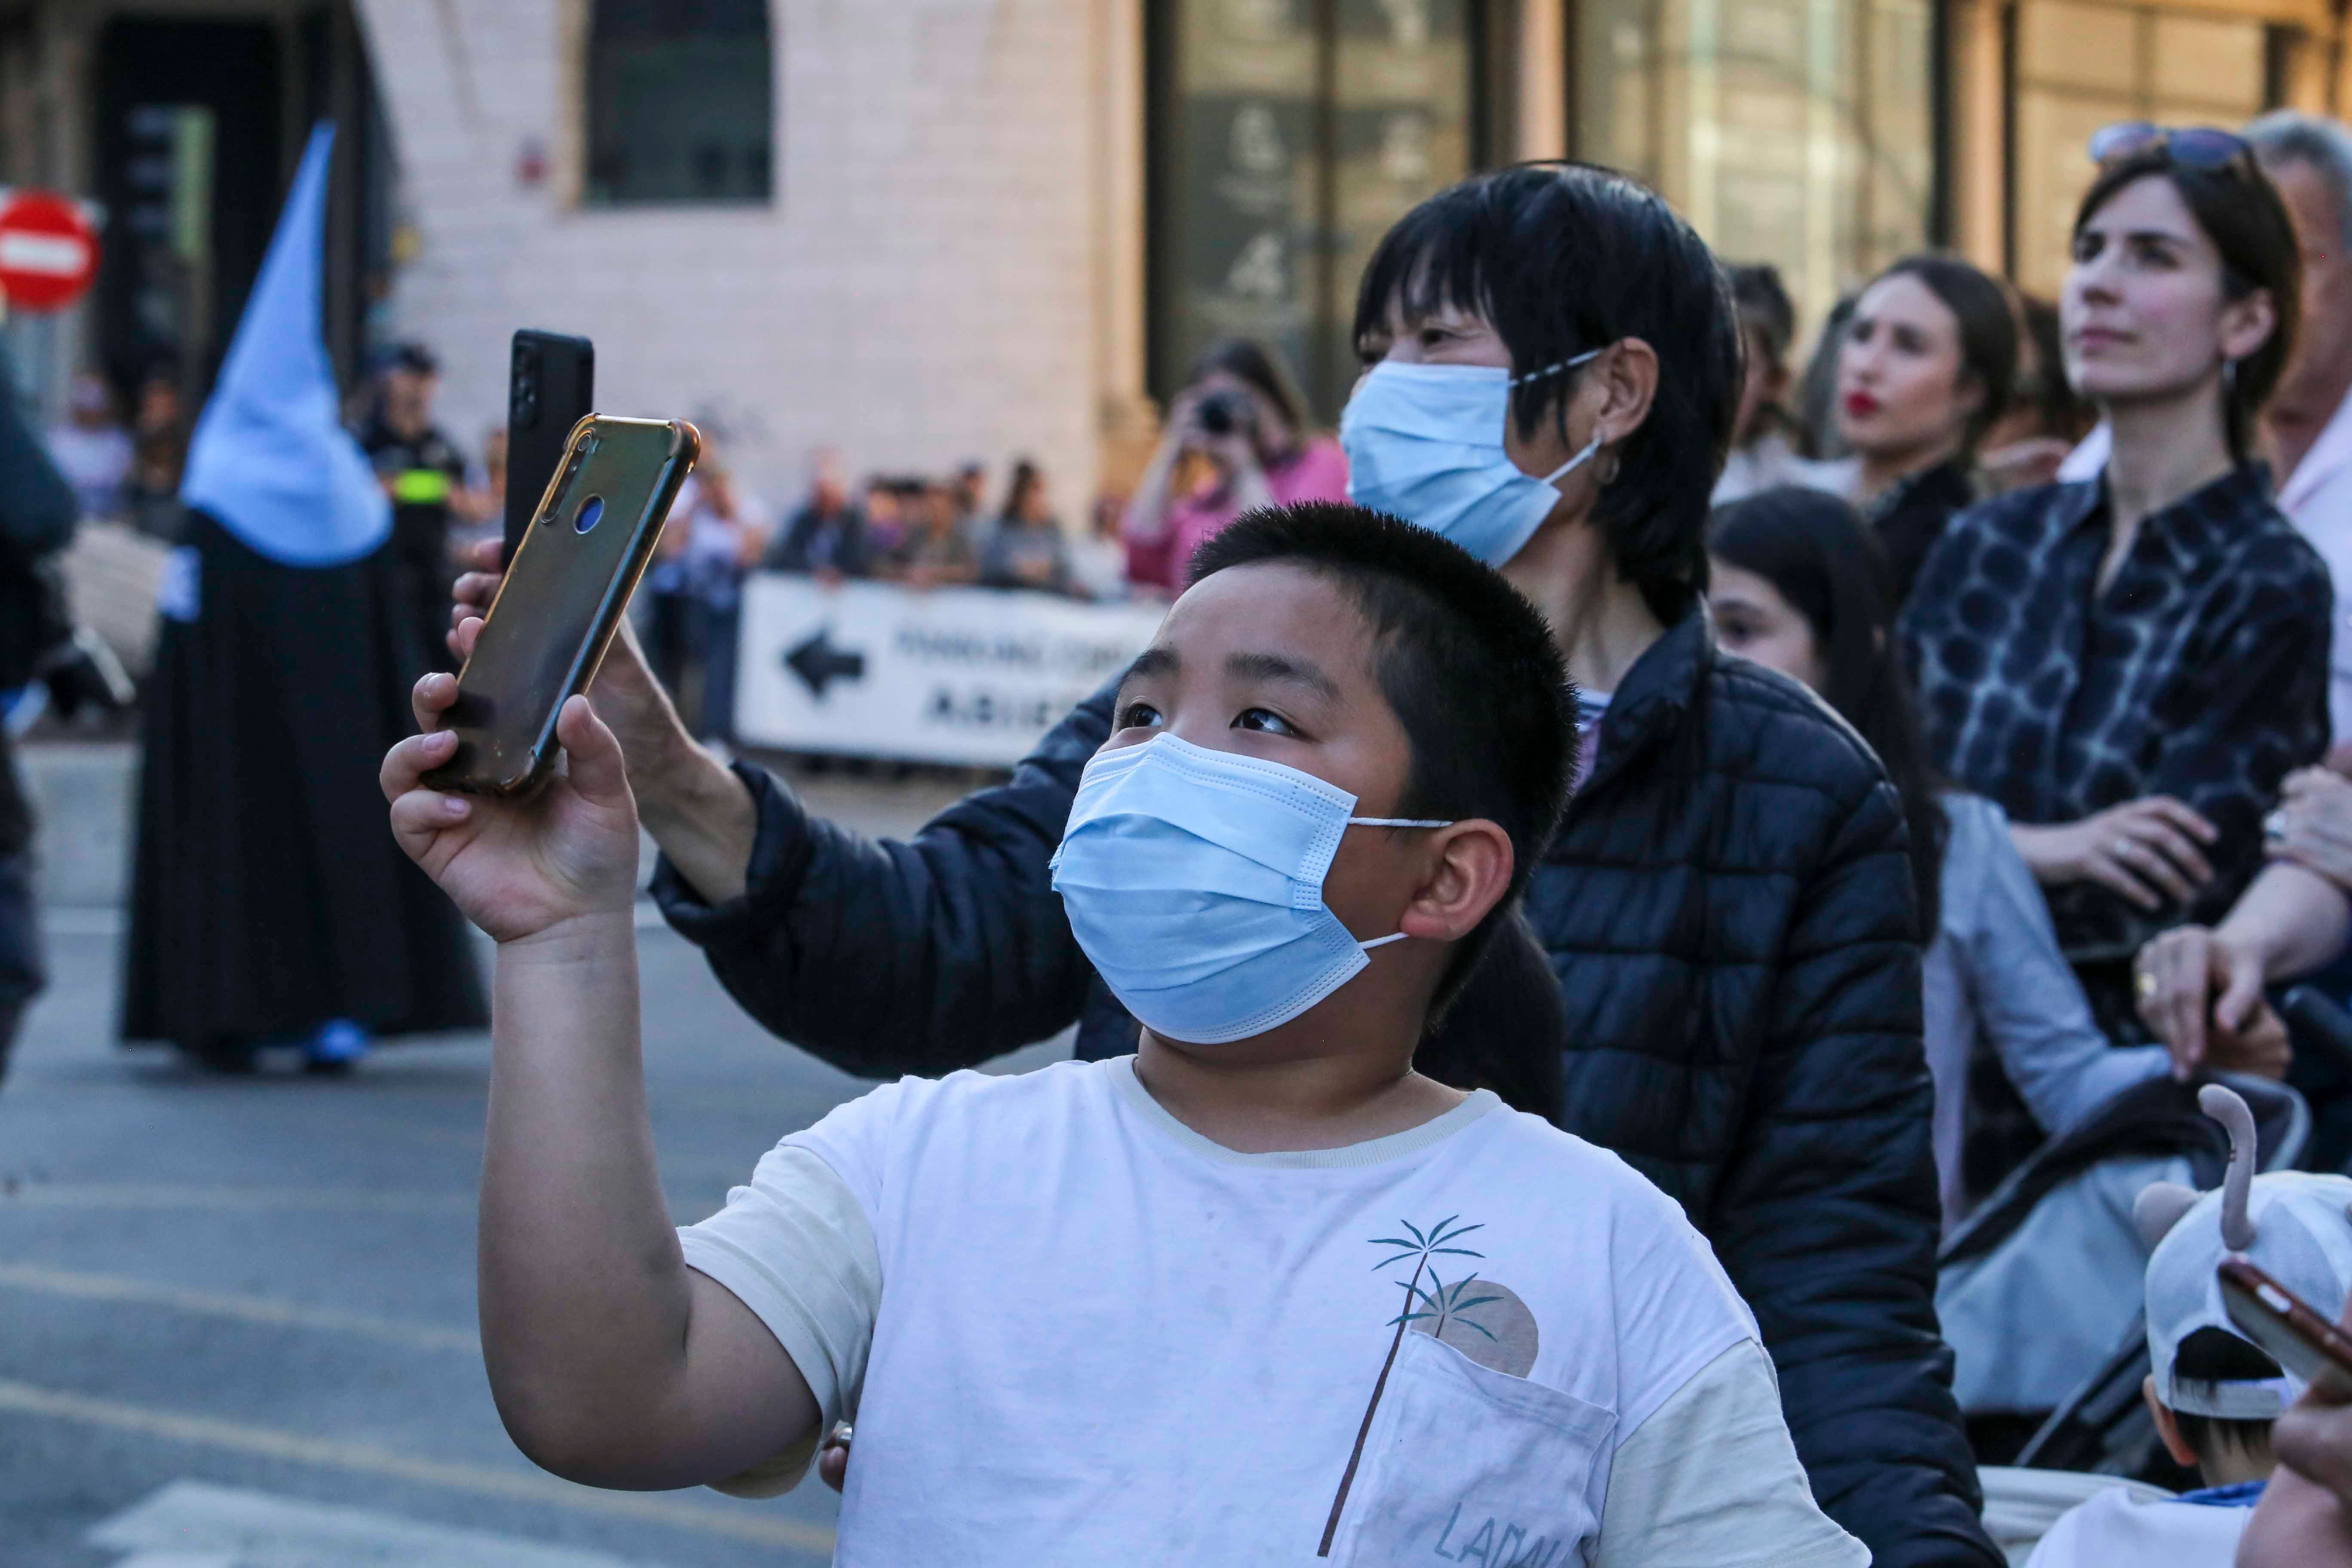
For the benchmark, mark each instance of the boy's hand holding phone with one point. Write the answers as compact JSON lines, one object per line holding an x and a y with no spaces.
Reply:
{"x":520,"y":868}
{"x":697,"y":811}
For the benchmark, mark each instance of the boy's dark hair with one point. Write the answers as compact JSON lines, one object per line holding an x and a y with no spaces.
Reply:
{"x":2217,"y":1355}
{"x":1562,"y":258}
{"x":1468,"y":666}
{"x":2239,"y":211}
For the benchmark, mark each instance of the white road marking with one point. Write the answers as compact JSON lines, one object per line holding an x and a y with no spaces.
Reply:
{"x":510,"y":1486}
{"x":174,"y":1196}
{"x":243,"y":1308}
{"x":190,"y":1522}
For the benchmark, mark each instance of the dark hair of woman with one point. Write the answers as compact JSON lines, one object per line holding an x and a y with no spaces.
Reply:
{"x":1251,"y":362}
{"x":1763,"y":303}
{"x":1987,"y":330}
{"x":1818,"y":554}
{"x":2240,"y":212}
{"x":1026,"y":478}
{"x":2062,"y":411}
{"x":1561,"y":259}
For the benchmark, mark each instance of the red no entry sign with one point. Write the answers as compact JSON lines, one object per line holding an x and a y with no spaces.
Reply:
{"x":48,"y":251}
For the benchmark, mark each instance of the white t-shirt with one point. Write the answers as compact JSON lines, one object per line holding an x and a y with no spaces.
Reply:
{"x":1072,"y":1330}
{"x":2117,"y":1528}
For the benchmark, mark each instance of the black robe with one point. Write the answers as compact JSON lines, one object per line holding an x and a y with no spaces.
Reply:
{"x":268,"y":895}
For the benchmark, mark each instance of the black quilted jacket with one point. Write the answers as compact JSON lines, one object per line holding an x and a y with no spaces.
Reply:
{"x":1728,"y":913}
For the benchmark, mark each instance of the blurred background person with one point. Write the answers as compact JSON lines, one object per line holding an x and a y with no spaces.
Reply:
{"x":934,"y":552}
{"x":2308,"y":420}
{"x":726,"y":529}
{"x":1817,"y":429}
{"x":1238,"y":436}
{"x":37,"y":510}
{"x":970,"y":488}
{"x":1764,"y":434}
{"x":826,"y":538}
{"x":1025,"y":548}
{"x":424,"y":474}
{"x":2045,"y":418}
{"x":158,"y":438}
{"x":267,"y":906}
{"x":1098,"y":557}
{"x":1799,"y":584}
{"x":2130,"y":666}
{"x":1924,"y":367}
{"x":91,"y":448}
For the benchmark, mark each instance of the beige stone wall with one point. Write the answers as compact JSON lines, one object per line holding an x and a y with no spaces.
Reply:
{"x":930,"y":283}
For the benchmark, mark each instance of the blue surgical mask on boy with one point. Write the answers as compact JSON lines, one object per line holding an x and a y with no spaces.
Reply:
{"x":1194,"y":881}
{"x":1424,"y":442}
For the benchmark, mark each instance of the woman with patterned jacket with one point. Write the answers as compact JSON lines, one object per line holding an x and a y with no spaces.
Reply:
{"x":2130,"y":665}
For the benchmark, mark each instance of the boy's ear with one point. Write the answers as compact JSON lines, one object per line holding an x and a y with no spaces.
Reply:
{"x":2168,"y":1427}
{"x":1468,"y":875}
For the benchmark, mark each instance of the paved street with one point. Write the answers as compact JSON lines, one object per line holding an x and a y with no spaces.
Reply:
{"x":238,"y":1318}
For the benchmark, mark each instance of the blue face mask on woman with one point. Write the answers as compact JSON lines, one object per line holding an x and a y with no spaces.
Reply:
{"x":1194,"y":881}
{"x":1424,"y":442}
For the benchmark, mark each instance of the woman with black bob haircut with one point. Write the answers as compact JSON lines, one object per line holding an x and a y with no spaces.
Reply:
{"x":1553,"y":367}
{"x":2131,"y":665}
{"x":1800,"y":586}
{"x":1925,"y":367}
{"x":1726,"y":976}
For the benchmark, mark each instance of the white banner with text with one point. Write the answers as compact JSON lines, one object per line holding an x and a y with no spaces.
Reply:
{"x":955,"y":675}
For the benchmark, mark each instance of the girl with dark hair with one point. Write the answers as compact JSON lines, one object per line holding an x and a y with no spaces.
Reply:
{"x":1800,"y":586}
{"x":1025,"y":548}
{"x":1242,"y":420}
{"x":2130,"y":665}
{"x":1925,"y":366}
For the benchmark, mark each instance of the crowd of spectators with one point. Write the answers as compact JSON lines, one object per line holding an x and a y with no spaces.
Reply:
{"x":2069,"y":569}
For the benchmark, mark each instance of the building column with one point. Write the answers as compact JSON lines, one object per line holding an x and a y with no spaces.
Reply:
{"x":1127,"y":420}
{"x":1978,"y":47}
{"x":1541,"y":89}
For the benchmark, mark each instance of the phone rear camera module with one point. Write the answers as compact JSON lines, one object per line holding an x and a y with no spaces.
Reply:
{"x":592,"y":512}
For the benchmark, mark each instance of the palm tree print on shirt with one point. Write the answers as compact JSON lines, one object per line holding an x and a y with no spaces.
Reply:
{"x":1452,"y":1314}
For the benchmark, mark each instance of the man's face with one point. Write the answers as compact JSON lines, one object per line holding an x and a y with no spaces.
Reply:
{"x":2321,"y":364}
{"x":408,"y":396}
{"x":1273,"y":661}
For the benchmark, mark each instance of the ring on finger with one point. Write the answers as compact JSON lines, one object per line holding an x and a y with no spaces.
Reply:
{"x":2124,"y":848}
{"x":2143,"y":982}
{"x":2274,"y":828}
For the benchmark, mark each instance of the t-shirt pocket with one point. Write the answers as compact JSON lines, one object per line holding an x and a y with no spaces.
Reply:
{"x":1467,"y":1465}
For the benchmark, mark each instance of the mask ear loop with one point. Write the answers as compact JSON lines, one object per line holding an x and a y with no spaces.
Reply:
{"x":1590,"y":446}
{"x":1390,"y":822}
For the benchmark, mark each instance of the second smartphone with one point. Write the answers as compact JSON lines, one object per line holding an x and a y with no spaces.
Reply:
{"x":562,"y":599}
{"x":551,"y":388}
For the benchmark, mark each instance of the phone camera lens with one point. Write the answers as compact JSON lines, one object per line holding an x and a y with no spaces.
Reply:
{"x":592,"y":512}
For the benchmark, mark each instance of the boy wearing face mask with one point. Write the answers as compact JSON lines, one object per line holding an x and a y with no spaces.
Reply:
{"x":1054,"y":1303}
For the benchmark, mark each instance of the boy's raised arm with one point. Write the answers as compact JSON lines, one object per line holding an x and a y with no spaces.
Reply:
{"x":612,"y":1362}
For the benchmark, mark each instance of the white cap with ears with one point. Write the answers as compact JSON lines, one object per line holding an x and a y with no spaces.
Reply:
{"x":2295,"y":1225}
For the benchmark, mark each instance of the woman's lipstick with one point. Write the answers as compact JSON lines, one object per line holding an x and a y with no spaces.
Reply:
{"x":1861,"y":405}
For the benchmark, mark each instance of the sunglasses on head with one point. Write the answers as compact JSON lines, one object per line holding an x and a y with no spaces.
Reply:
{"x":2196,"y":147}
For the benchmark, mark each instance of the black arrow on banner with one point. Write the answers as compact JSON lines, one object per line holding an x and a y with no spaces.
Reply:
{"x":819,"y":664}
